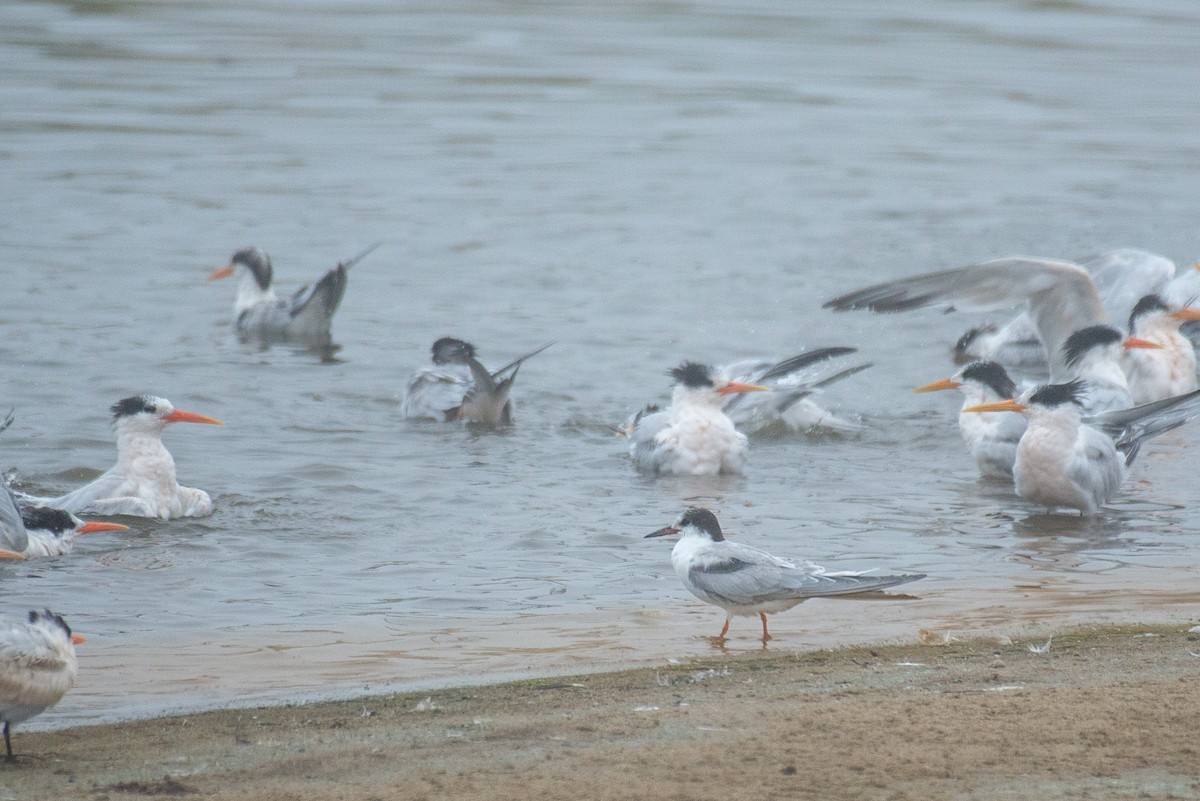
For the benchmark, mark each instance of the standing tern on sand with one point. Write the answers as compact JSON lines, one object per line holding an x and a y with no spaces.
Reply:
{"x":694,"y":436}
{"x":142,"y":483}
{"x":456,"y":386}
{"x":746,"y":581}
{"x":37,"y":667}
{"x":305,"y":317}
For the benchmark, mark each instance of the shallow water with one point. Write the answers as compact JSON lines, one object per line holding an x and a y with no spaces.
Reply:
{"x":640,"y":183}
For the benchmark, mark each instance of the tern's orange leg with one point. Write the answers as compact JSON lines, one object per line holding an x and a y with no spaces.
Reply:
{"x":766,"y":636}
{"x":724,"y":630}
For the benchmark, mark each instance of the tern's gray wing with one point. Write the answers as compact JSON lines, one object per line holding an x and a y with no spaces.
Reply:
{"x":267,"y":320}
{"x":12,"y":528}
{"x":793,"y":382}
{"x":754,"y":371}
{"x":1130,"y":427}
{"x":13,"y":536}
{"x":746,"y":576}
{"x":1098,"y":468}
{"x":487,"y":401}
{"x":1125,"y":276}
{"x":98,"y":496}
{"x":313,"y":305}
{"x":515,"y":364}
{"x":647,"y":452}
{"x":1059,"y":296}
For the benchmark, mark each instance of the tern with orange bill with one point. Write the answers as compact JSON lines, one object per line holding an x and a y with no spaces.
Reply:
{"x":991,"y":439}
{"x":304,"y":318}
{"x":41,"y":530}
{"x":746,"y":581}
{"x":37,"y":667}
{"x":1067,"y":459}
{"x":142,"y":483}
{"x":1059,"y":297}
{"x":1171,"y":368}
{"x":694,"y":436}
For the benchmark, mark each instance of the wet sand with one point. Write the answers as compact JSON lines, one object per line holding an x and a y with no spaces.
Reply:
{"x":1104,"y":713}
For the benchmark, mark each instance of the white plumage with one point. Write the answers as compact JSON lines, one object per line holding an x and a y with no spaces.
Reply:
{"x":142,"y":483}
{"x":456,"y":386}
{"x":37,"y":667}
{"x":694,"y":436}
{"x":746,"y":581}
{"x":303,"y":318}
{"x":1060,"y":301}
{"x":1169,"y":369}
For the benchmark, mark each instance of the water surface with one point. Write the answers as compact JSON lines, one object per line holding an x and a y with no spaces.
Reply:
{"x":638,"y":182}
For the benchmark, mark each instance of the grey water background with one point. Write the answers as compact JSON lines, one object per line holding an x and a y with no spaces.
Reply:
{"x":639,"y":182}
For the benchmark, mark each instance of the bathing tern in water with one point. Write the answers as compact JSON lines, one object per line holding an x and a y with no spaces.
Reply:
{"x":694,"y":436}
{"x":456,"y":386}
{"x":304,"y":318}
{"x":142,"y":483}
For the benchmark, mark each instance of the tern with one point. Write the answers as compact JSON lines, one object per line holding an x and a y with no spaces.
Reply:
{"x":1121,"y":277}
{"x":746,"y":581}
{"x":455,"y":386}
{"x":794,"y":383}
{"x":37,"y":667}
{"x":304,"y":317}
{"x":789,"y":406}
{"x":1059,"y":297}
{"x":1065,"y":459}
{"x":39,"y":530}
{"x":42,"y":531}
{"x":1170,"y":370}
{"x":991,"y":439}
{"x":1094,"y":356}
{"x":694,"y":436}
{"x":142,"y":483}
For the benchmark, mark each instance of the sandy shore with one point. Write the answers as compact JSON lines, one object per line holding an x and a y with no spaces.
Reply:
{"x":1105,"y":713}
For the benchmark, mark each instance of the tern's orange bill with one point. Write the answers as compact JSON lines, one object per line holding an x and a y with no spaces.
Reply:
{"x":1134,"y":342}
{"x":996,"y":406}
{"x":1186,"y":313}
{"x":90,"y":526}
{"x":941,"y":383}
{"x":221,"y":272}
{"x":737,"y":386}
{"x":78,"y":639}
{"x":180,"y":416}
{"x":665,"y":531}
{"x":6,"y":554}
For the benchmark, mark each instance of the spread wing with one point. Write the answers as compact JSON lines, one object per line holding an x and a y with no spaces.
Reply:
{"x":1059,"y":296}
{"x":318,"y":301}
{"x":1123,"y":277}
